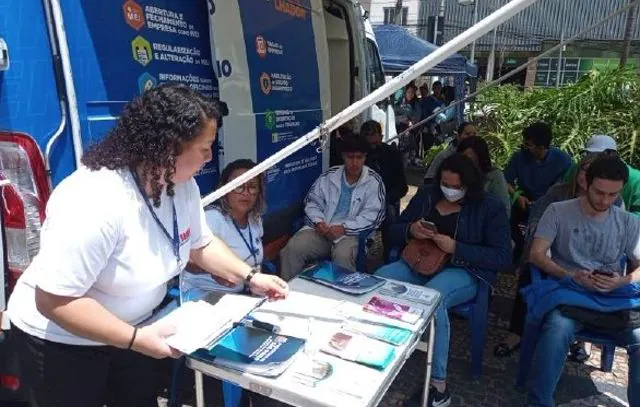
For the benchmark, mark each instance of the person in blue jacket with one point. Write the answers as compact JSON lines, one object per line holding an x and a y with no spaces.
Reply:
{"x":471,"y":226}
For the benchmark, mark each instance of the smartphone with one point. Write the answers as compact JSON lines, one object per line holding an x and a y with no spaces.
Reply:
{"x":603,"y":273}
{"x":429,"y":225}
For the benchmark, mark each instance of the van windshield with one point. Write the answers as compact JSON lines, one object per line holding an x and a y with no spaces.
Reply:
{"x":375,"y":75}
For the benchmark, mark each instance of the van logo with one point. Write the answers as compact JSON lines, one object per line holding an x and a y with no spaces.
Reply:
{"x":261,"y":46}
{"x":133,"y":14}
{"x":270,"y":119}
{"x":294,"y":8}
{"x":186,"y":235}
{"x":265,"y":83}
{"x":146,"y":82}
{"x":141,"y":49}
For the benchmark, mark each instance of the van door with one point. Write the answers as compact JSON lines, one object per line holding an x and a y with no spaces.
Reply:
{"x":273,"y":94}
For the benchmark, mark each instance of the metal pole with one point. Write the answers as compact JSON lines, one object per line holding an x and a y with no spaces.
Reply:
{"x":442,"y":53}
{"x":560,"y":51}
{"x":518,"y":69}
{"x":627,"y":36}
{"x":491,"y":62}
{"x":427,"y":378}
{"x":475,"y":21}
{"x":435,"y":22}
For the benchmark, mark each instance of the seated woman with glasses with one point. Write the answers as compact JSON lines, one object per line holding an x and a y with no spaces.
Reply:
{"x":236,"y":220}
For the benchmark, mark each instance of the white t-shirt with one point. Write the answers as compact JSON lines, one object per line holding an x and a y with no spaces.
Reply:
{"x":99,"y":240}
{"x":223,"y":227}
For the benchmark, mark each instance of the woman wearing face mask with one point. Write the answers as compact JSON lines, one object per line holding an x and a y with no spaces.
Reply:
{"x":573,"y":188}
{"x":235,"y":219}
{"x":472,"y":228}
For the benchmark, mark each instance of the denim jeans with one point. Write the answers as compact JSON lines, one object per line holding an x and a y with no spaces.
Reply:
{"x":557,"y":334}
{"x":456,"y":286}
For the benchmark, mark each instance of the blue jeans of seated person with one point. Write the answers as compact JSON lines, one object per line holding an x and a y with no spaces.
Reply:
{"x":456,"y":286}
{"x":557,"y":334}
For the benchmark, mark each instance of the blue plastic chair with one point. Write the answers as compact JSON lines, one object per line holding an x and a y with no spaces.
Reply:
{"x":476,"y":311}
{"x":530,"y":339}
{"x":363,"y":241}
{"x":231,"y":393}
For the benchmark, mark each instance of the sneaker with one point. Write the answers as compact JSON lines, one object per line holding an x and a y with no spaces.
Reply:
{"x":437,"y":399}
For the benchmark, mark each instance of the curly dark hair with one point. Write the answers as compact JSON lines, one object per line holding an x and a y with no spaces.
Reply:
{"x":150,"y":134}
{"x":470,"y":176}
{"x":242,"y":164}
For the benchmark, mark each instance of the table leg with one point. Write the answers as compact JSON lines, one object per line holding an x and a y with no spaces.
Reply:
{"x":427,"y":376}
{"x":199,"y":389}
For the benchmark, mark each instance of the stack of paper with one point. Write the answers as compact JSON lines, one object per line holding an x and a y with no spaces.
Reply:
{"x":253,"y":351}
{"x":393,"y":310}
{"x":387,"y":333}
{"x":421,"y":295}
{"x":198,"y":324}
{"x":360,"y":349}
{"x":342,"y":279}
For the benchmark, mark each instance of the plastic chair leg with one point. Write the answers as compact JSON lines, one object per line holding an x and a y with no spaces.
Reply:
{"x":478,"y":338}
{"x":606,"y":362}
{"x":527,"y":349}
{"x":232,"y":394}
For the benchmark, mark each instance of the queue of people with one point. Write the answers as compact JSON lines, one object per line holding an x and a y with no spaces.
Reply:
{"x":130,"y":220}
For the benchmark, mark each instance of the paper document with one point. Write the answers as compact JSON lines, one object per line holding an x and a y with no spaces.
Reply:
{"x":420,"y":295}
{"x":360,"y":349}
{"x":199,"y":323}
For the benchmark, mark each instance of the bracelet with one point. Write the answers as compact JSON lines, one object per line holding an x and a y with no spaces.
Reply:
{"x":133,"y":338}
{"x":249,"y":276}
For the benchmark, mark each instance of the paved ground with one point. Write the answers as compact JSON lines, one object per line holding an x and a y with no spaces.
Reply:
{"x":581,"y":385}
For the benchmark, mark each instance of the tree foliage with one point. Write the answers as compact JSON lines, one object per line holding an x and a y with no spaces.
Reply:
{"x":602,"y":102}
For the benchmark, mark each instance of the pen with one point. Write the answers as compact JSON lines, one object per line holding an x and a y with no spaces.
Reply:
{"x":252,"y":323}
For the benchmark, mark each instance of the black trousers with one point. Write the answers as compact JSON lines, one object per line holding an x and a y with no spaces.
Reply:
{"x":519,"y":312}
{"x":59,"y":375}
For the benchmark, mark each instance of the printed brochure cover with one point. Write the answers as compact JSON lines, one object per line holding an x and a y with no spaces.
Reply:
{"x":358,"y":348}
{"x":342,"y":279}
{"x":386,"y":333}
{"x":402,"y":291}
{"x":393,"y":310}
{"x":254,"y":351}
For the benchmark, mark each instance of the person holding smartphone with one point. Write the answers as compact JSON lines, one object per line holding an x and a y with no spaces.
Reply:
{"x":587,"y":237}
{"x":469,"y":225}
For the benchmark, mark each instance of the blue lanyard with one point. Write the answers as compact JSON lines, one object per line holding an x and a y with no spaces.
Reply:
{"x":175,"y":239}
{"x":249,"y":244}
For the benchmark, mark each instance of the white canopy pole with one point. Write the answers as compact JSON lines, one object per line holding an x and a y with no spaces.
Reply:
{"x":478,"y":30}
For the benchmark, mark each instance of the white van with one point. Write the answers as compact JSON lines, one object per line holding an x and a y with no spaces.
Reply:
{"x":281,"y":66}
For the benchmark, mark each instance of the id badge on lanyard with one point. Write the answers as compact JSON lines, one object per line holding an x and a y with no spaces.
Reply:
{"x":175,"y":239}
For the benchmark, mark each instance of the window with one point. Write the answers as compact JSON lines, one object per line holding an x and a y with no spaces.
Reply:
{"x":390,"y":14}
{"x":375,"y":75}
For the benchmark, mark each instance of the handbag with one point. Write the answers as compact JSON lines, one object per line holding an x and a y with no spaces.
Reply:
{"x":605,"y":322}
{"x":425,"y":257}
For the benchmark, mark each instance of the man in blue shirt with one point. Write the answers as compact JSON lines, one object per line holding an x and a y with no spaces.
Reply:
{"x":530,"y":172}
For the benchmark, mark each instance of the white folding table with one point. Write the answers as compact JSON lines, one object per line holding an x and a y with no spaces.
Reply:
{"x":351,"y":384}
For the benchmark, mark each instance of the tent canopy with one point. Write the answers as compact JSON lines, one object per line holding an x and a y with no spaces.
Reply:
{"x":399,"y":49}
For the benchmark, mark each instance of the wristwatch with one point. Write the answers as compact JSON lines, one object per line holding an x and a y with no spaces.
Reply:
{"x":253,"y":272}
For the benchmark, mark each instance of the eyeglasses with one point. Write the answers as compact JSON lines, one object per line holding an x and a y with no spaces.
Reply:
{"x":251,"y":189}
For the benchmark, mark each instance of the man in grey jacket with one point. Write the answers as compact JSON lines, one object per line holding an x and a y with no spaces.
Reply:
{"x":343,"y":202}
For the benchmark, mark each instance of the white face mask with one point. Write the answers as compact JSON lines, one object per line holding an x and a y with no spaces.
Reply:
{"x":452,"y":195}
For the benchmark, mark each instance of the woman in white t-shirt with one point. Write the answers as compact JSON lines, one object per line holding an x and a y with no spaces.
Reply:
{"x":237,"y":220}
{"x":117,"y":230}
